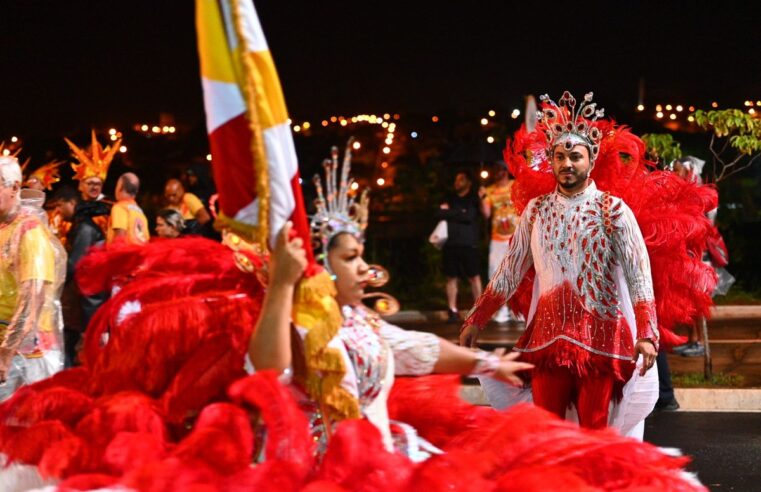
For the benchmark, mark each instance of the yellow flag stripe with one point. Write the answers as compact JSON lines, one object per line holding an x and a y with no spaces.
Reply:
{"x":270,"y":103}
{"x":213,"y":48}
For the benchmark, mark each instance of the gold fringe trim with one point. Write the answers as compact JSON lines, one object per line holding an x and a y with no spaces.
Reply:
{"x":315,"y":308}
{"x":247,"y":231}
{"x":252,"y":92}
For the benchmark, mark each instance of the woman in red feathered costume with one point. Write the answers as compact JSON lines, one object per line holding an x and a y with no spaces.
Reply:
{"x":161,"y":402}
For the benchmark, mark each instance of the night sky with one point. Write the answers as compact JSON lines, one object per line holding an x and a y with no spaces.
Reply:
{"x":69,"y":65}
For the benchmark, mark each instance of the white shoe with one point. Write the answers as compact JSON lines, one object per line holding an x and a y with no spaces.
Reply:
{"x":502,"y":316}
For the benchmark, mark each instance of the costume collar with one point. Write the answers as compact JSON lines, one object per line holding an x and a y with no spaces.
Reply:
{"x":589,"y":190}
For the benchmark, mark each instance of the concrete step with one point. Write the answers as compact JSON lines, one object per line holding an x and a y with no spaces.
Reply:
{"x":690,"y":399}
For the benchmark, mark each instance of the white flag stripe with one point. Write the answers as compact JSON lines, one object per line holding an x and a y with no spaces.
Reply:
{"x":252,"y":28}
{"x":222,"y":102}
{"x":281,"y":155}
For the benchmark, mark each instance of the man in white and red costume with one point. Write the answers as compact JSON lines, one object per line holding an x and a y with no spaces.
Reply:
{"x":593,"y":310}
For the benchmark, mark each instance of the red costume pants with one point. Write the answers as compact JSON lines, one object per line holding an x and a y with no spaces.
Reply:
{"x":555,"y":388}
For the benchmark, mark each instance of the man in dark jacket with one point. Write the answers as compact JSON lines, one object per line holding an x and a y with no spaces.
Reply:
{"x":89,"y":219}
{"x":462,"y":211}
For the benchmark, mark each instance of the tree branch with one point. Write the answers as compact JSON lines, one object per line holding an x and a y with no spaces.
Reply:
{"x":738,"y":169}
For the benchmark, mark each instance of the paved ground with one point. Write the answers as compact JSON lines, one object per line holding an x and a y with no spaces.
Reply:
{"x":725,"y":447}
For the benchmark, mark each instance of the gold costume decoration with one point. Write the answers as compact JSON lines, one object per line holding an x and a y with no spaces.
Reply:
{"x":94,"y":161}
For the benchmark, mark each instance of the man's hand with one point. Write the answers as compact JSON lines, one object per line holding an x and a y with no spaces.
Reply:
{"x":469,"y":336}
{"x":508,"y":367}
{"x":647,"y":349}
{"x":444,"y":206}
{"x":289,"y":258}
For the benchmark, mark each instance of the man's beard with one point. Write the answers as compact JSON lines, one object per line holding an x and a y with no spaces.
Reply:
{"x":580,"y":178}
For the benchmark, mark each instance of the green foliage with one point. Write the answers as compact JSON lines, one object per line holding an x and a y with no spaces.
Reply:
{"x":718,"y":380}
{"x":728,"y":122}
{"x":661,"y":147}
{"x":740,"y":133}
{"x":737,"y":295}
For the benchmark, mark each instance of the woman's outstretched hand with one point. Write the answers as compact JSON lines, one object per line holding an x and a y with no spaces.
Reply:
{"x":509,"y":366}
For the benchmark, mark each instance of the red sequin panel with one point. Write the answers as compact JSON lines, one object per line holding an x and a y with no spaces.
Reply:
{"x":646,"y":319}
{"x":560,"y":314}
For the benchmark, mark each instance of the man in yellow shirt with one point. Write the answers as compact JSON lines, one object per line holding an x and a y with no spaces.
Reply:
{"x":187,"y":204}
{"x":127,"y":221}
{"x":29,"y":335}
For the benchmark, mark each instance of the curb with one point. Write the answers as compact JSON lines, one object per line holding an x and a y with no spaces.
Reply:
{"x":718,"y":399}
{"x":717,"y":312}
{"x":690,"y":399}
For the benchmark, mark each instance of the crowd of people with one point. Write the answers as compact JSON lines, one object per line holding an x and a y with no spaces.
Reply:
{"x":222,"y":365}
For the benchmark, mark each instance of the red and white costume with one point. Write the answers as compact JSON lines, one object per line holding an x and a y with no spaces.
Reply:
{"x":593,"y":291}
{"x":593,"y":298}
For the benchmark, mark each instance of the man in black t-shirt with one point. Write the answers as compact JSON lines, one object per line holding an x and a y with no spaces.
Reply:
{"x":461,"y":210}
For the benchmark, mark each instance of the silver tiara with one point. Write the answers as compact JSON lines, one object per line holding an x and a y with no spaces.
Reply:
{"x":337,"y":209}
{"x":568,"y":125}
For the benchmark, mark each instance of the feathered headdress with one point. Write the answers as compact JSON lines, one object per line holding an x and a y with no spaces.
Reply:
{"x":565,"y":124}
{"x":47,"y":175}
{"x":93,"y":162}
{"x":337,"y":210}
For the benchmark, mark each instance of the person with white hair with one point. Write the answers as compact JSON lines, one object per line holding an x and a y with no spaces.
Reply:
{"x":30,"y":329}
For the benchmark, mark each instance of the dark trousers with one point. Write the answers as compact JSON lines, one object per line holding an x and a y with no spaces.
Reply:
{"x":70,"y":345}
{"x":665,"y":389}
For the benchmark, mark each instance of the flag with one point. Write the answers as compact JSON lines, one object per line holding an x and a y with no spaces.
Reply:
{"x":253,"y":157}
{"x":255,"y":170}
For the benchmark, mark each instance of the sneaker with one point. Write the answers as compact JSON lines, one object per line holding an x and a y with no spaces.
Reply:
{"x":697,"y":350}
{"x":681,"y":348}
{"x":502,"y":316}
{"x":667,"y":406}
{"x":453,"y":318}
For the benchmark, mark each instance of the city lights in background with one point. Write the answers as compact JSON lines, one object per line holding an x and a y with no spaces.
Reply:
{"x":356,"y":145}
{"x":380,"y":181}
{"x":673,"y":114}
{"x":490,"y":139}
{"x":208,"y":157}
{"x":515,"y":114}
{"x":484,"y":121}
{"x":492,"y":113}
{"x":148,"y":130}
{"x":123,"y":149}
{"x":484,"y":174}
{"x":355,"y":186}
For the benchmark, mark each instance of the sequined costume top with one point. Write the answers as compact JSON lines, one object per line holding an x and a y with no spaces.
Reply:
{"x":373,"y":352}
{"x":592,"y":269}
